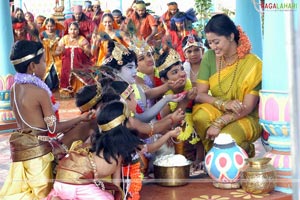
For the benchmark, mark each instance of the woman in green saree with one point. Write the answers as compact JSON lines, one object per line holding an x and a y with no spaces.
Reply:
{"x":228,"y":84}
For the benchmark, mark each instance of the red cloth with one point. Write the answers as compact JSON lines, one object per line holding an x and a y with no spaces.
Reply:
{"x":81,"y":61}
{"x":95,"y":18}
{"x":138,"y":109}
{"x":167,"y":19}
{"x":86,"y":27}
{"x":177,"y":41}
{"x":157,"y":81}
{"x":89,"y":14}
{"x":143,"y":26}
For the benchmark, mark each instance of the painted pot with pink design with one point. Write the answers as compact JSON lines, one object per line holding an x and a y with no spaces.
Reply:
{"x":225,"y":161}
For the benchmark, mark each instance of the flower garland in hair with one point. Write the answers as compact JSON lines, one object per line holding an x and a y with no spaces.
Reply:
{"x":244,"y":44}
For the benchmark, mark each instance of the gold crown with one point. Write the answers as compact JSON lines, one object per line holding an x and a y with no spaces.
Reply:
{"x":127,"y":92}
{"x":117,"y":54}
{"x":191,"y":42}
{"x":139,"y":46}
{"x":171,"y":59}
{"x":117,"y":121}
{"x":91,"y":103}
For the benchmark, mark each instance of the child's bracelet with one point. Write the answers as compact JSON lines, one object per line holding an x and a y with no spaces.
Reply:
{"x":152,"y":129}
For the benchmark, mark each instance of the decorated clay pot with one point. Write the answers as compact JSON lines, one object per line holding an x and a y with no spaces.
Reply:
{"x":224,"y":162}
{"x":258,"y":177}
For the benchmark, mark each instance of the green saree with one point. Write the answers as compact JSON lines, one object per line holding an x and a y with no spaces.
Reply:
{"x":248,"y":75}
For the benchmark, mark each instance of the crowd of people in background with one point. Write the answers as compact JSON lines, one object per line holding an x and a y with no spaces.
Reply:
{"x":146,"y":86}
{"x":79,"y":42}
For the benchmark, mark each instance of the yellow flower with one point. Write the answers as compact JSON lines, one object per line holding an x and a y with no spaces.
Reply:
{"x":244,"y":195}
{"x":187,"y":129}
{"x":213,"y":197}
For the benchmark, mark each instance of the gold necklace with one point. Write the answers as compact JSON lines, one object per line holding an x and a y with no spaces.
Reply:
{"x":229,"y":58}
{"x":194,"y":73}
{"x":219,"y":77}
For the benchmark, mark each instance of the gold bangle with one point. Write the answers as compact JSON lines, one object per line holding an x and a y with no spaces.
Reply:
{"x":219,"y":123}
{"x":218,"y":103}
{"x":172,"y":122}
{"x":232,"y":117}
{"x":221,"y":120}
{"x":223,"y":105}
{"x":216,"y":125}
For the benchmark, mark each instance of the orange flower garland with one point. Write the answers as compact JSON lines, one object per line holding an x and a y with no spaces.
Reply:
{"x":244,"y":45}
{"x":136,"y":180}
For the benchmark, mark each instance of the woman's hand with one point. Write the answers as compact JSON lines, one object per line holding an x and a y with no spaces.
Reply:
{"x":59,"y":50}
{"x":95,"y":39}
{"x":235,"y":106}
{"x":212,"y":132}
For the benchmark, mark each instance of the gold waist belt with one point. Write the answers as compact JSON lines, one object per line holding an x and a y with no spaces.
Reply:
{"x":26,"y":146}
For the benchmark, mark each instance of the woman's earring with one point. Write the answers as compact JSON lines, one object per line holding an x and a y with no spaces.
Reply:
{"x":33,"y":74}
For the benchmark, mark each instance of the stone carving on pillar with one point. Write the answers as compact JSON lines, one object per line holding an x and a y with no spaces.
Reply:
{"x":275,"y":119}
{"x":58,"y":10}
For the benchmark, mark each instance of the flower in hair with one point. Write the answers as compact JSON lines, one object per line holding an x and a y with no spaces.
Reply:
{"x":244,"y":44}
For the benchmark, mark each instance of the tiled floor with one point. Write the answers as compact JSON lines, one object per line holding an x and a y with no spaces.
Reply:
{"x":4,"y":157}
{"x":199,"y":188}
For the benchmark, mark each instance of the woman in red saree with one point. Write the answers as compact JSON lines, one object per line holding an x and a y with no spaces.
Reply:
{"x":76,"y":63}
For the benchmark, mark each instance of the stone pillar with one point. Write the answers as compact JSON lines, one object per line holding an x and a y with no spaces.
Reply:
{"x":275,"y":119}
{"x":274,"y":108}
{"x":6,"y":68}
{"x":250,"y":20}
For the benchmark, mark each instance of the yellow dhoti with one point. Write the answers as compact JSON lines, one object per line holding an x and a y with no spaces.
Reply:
{"x":30,"y":174}
{"x":31,"y":179}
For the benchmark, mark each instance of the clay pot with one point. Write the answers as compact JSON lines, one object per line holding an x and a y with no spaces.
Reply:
{"x":224,"y":162}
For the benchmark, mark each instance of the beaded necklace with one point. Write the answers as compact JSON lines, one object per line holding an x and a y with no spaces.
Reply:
{"x":96,"y":181}
{"x":219,"y":76}
{"x":193,"y":75}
